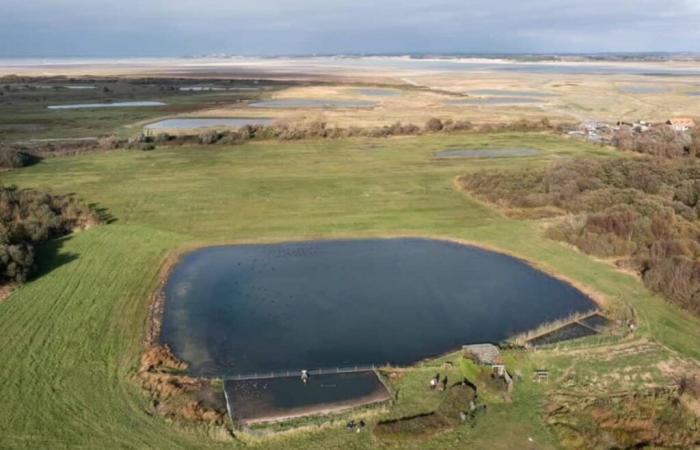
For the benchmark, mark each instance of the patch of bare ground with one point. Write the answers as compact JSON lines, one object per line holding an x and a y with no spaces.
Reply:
{"x":5,"y":291}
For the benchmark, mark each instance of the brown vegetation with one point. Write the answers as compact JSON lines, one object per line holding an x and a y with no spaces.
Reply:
{"x":653,"y":418}
{"x":660,"y":140}
{"x":642,"y":212}
{"x":173,"y":394}
{"x":12,"y":158}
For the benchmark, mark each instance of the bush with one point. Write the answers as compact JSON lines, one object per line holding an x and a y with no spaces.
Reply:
{"x":433,"y":125}
{"x":11,"y":158}
{"x":29,"y":217}
{"x":162,"y":138}
{"x":209,"y":137}
{"x":109,"y":143}
{"x":660,"y":141}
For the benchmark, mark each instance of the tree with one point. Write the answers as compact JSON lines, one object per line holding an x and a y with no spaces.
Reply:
{"x":433,"y":125}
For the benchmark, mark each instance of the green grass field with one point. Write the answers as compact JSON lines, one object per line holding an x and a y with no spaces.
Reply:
{"x":70,"y":340}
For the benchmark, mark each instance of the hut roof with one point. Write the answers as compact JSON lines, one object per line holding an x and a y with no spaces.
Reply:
{"x":483,"y":353}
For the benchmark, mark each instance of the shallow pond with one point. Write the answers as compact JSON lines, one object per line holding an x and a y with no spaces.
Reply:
{"x":643,"y":90}
{"x":512,"y":93}
{"x":494,"y":101}
{"x":312,"y":103}
{"x":249,"y":308}
{"x":207,"y":122}
{"x":378,"y":92}
{"x":458,"y":153}
{"x":201,"y":88}
{"x":107,"y":105}
{"x":273,"y":399}
{"x":221,"y":88}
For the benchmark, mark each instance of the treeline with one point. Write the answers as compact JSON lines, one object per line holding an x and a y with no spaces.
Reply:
{"x":12,"y":156}
{"x":320,"y":129}
{"x":643,"y":212}
{"x":29,"y":217}
{"x":661,"y":140}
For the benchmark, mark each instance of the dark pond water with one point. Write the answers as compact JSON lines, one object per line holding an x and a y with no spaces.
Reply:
{"x":251,"y":308}
{"x":312,"y":103}
{"x":596,"y":321}
{"x":207,"y":122}
{"x":459,"y":153}
{"x":255,"y":400}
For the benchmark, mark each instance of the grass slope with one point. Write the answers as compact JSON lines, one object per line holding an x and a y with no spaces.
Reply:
{"x":70,"y":340}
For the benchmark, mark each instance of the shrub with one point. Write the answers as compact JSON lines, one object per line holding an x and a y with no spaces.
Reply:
{"x":109,"y":143}
{"x":29,"y":217}
{"x":11,"y":158}
{"x":433,"y":125}
{"x":209,"y":137}
{"x":162,"y":138}
{"x":660,"y":141}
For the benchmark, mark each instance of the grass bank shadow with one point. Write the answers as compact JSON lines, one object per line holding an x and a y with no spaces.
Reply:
{"x":102,"y":213}
{"x":49,"y":256}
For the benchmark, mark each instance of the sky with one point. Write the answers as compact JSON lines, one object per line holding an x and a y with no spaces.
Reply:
{"x":124,"y":28}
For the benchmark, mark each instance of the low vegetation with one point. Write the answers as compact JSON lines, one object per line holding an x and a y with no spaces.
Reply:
{"x":643,"y":213}
{"x":29,"y":217}
{"x":645,"y":419}
{"x":177,"y":396}
{"x":459,"y":405}
{"x":13,"y":158}
{"x":319,"y":129}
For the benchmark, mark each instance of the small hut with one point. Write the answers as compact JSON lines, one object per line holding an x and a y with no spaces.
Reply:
{"x":485,"y":354}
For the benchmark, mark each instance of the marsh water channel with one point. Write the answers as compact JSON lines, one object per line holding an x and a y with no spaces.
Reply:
{"x":245,"y":309}
{"x":193,"y":123}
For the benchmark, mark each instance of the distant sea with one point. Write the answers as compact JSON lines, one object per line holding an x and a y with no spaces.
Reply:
{"x":440,"y":63}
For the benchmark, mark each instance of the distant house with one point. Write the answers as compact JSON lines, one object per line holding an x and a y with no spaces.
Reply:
{"x":681,"y":123}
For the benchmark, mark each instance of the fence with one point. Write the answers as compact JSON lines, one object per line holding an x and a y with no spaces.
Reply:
{"x":297,"y":373}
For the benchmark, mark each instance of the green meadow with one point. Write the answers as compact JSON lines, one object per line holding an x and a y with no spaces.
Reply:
{"x":70,"y":340}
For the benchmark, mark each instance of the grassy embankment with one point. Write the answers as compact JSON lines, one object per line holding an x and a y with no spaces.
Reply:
{"x":70,"y":340}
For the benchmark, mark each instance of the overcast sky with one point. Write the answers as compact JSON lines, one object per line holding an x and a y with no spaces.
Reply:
{"x":263,"y":27}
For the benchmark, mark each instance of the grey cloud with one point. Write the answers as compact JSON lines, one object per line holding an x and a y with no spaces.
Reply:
{"x":169,"y":28}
